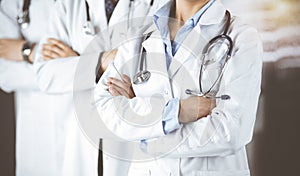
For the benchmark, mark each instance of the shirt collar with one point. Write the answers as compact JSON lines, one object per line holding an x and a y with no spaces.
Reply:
{"x":195,"y":18}
{"x":214,"y":14}
{"x":164,"y":11}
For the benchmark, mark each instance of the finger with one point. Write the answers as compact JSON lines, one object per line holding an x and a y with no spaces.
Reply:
{"x":120,"y":90}
{"x":131,"y":92}
{"x":119,"y":83}
{"x":113,"y":91}
{"x":49,"y":53}
{"x":213,"y":104}
{"x":59,"y":43}
{"x":65,"y":50}
{"x":53,"y":48}
{"x":47,"y":58}
{"x":126,"y":79}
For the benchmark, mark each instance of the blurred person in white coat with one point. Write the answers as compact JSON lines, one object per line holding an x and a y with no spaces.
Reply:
{"x":208,"y":137}
{"x":38,"y":151}
{"x":75,"y":24}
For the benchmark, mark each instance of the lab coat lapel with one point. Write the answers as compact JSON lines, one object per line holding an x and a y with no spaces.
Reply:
{"x":120,"y":12}
{"x":189,"y":49}
{"x":192,"y":46}
{"x":139,"y":8}
{"x":154,"y":46}
{"x":98,"y":16}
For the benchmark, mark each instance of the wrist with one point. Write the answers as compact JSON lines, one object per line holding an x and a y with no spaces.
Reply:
{"x":104,"y":57}
{"x":31,"y":55}
{"x":170,"y":116}
{"x":99,"y":69}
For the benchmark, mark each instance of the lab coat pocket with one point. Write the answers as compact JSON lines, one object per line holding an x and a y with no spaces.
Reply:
{"x":222,"y":173}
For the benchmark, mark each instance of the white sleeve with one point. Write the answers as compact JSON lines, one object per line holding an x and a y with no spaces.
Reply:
{"x":128,"y":119}
{"x":13,"y":75}
{"x":53,"y":75}
{"x":65,"y":75}
{"x":9,"y":27}
{"x":62,"y":75}
{"x":230,"y":125}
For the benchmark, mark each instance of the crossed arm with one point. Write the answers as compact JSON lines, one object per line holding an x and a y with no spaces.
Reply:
{"x":190,"y":110}
{"x":11,"y":49}
{"x":228,"y":127}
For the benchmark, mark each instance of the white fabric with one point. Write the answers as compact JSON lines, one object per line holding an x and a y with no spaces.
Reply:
{"x":58,"y":76}
{"x":214,"y":145}
{"x":37,"y":150}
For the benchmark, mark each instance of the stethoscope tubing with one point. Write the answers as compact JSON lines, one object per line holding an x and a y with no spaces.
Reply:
{"x":138,"y":79}
{"x":23,"y":18}
{"x":225,"y":36}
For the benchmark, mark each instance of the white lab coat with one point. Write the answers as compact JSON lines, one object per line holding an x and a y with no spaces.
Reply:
{"x":214,"y":145}
{"x":61,"y":76}
{"x":37,"y":150}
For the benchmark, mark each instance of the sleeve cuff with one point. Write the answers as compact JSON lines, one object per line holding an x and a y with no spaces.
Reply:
{"x":170,"y":116}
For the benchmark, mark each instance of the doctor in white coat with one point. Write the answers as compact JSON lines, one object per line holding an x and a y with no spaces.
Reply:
{"x":38,"y":151}
{"x":57,"y":76}
{"x":214,"y":144}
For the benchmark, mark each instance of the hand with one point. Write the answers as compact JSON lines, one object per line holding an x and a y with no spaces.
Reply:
{"x":194,"y":108}
{"x":57,"y":49}
{"x":107,"y":57}
{"x":11,"y":49}
{"x":121,"y":87}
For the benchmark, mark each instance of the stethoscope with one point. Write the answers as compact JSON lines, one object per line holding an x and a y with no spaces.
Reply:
{"x":23,"y":17}
{"x":88,"y":26}
{"x":143,"y":74}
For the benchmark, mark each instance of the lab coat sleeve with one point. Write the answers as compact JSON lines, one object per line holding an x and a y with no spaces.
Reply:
{"x":65,"y":75}
{"x":230,"y":125}
{"x":128,"y":119}
{"x":60,"y":74}
{"x":13,"y":75}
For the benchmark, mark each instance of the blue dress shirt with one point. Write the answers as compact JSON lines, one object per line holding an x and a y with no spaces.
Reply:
{"x":161,"y":20}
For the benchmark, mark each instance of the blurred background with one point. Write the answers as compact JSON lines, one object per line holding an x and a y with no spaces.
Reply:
{"x":274,"y":150}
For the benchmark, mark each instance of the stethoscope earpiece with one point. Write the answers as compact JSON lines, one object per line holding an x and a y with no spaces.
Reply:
{"x":222,"y":97}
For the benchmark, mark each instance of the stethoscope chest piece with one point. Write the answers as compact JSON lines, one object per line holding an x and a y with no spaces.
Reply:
{"x":23,"y":19}
{"x":88,"y":28}
{"x":141,"y":77}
